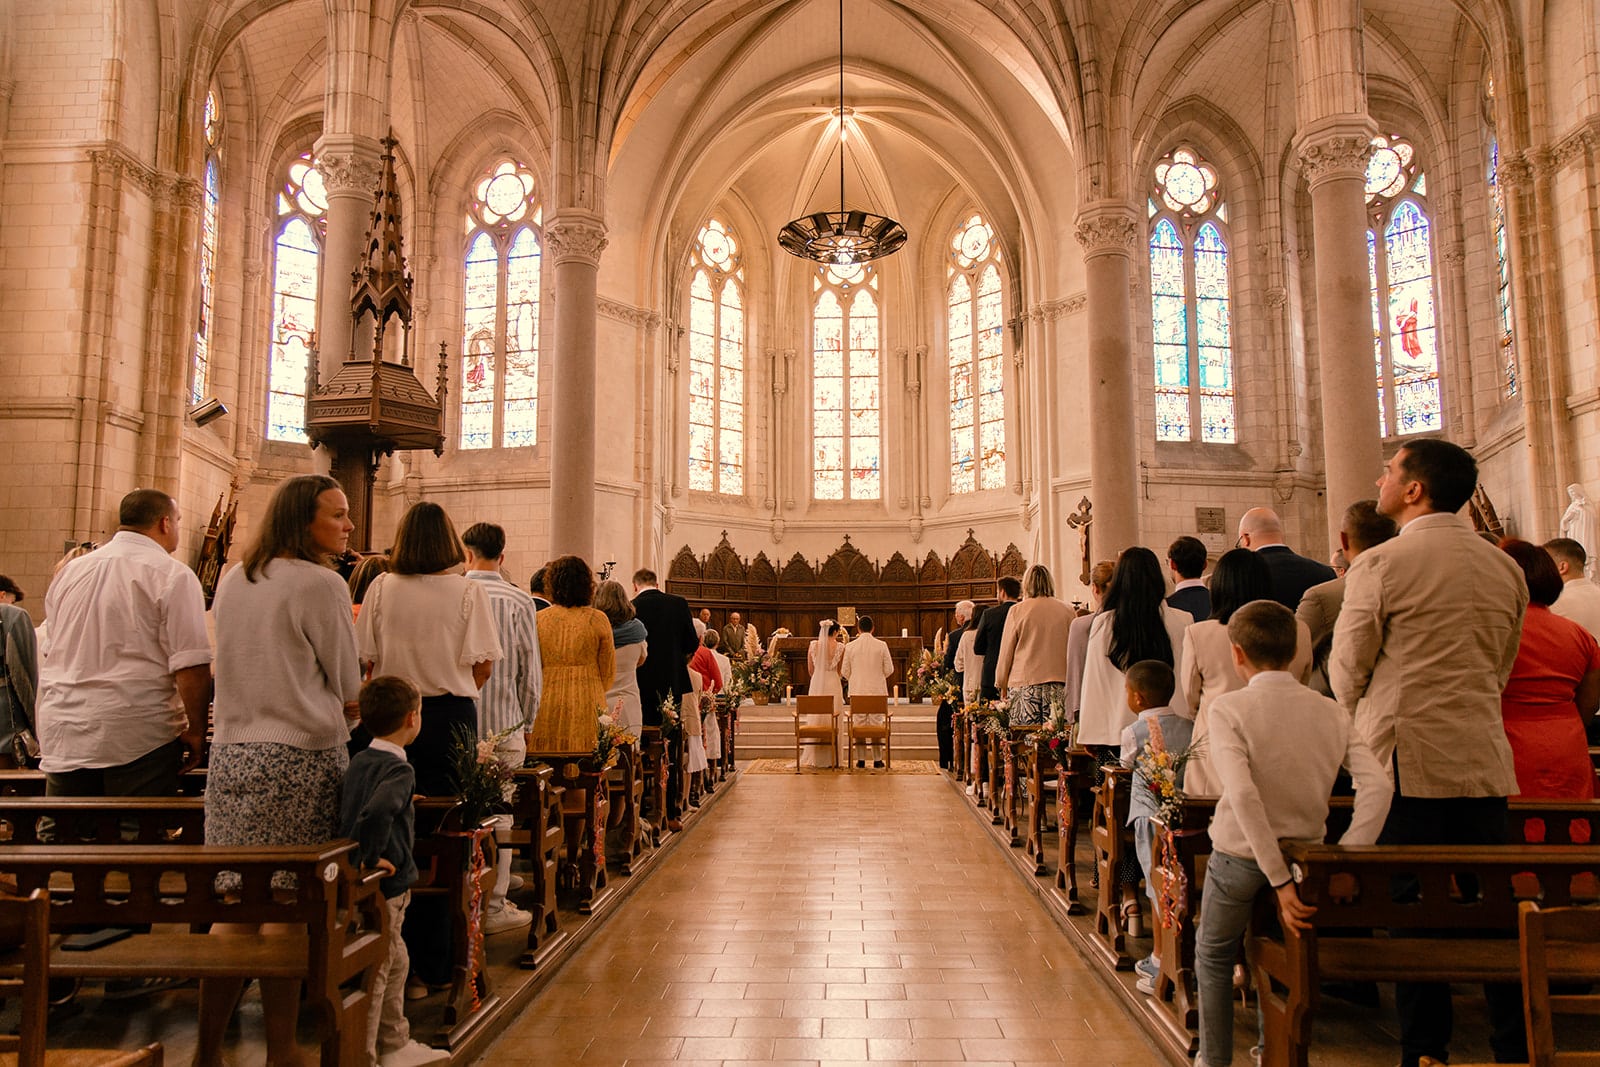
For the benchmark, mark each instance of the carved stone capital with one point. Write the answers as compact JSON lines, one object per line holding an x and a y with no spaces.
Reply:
{"x":1453,"y":254}
{"x":633,"y":316}
{"x":1277,"y":297}
{"x":1516,"y":172}
{"x":1112,"y":230}
{"x":253,"y":269}
{"x":777,"y":528}
{"x":576,"y":236}
{"x":349,"y":171}
{"x":1335,"y":156}
{"x":914,"y":387}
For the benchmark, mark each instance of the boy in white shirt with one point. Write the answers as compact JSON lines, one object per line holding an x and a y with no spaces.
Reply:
{"x":1276,"y":747}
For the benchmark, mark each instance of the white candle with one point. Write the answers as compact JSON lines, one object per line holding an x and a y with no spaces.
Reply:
{"x":788,"y":693}
{"x":897,"y":694}
{"x":904,"y":632}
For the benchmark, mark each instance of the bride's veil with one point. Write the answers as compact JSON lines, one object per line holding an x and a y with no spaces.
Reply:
{"x":824,"y":651}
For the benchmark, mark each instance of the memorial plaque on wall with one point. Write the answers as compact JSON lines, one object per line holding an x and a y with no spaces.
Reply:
{"x":1211,"y":526}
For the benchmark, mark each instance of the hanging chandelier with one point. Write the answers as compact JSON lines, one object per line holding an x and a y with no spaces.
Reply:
{"x":846,"y":236}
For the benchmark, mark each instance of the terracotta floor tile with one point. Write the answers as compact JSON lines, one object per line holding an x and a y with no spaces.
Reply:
{"x":820,"y":1048}
{"x":957,"y":1028}
{"x":669,"y":1026}
{"x":728,"y":1048}
{"x":868,"y":1028}
{"x":922,"y":1050}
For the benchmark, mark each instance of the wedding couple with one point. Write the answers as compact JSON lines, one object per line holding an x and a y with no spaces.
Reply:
{"x":865,"y":663}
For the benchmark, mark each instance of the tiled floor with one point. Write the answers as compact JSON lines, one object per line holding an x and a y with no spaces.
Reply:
{"x":818,"y":919}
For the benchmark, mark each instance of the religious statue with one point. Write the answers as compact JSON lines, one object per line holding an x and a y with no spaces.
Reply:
{"x":1578,"y":523}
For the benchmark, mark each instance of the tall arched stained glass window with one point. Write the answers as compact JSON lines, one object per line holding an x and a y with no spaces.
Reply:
{"x":1502,"y":256}
{"x":302,"y":214}
{"x":200,"y":366}
{"x":1400,"y":269}
{"x":500,"y":327}
{"x":977,"y":360}
{"x":716,"y":363}
{"x":1190,"y":302}
{"x":845,"y":408}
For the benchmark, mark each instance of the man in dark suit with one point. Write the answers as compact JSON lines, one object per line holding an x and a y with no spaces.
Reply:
{"x":986,"y":642}
{"x":669,"y":642}
{"x":1261,"y":531}
{"x":944,"y":726}
{"x":536,"y":587}
{"x":1186,"y":558}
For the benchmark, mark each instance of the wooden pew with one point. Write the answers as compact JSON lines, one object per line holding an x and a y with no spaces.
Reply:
{"x":585,"y":806}
{"x":538,"y":833}
{"x":1181,"y":850}
{"x":1436,"y":934}
{"x":1038,"y":769}
{"x":338,"y":915}
{"x":21,"y":783}
{"x":456,"y":863}
{"x":42,"y":820}
{"x":653,"y":764}
{"x":1075,"y":773}
{"x":1112,"y":839}
{"x":626,"y":784}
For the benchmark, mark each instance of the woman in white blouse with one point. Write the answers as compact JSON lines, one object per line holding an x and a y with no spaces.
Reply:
{"x":427,"y":622}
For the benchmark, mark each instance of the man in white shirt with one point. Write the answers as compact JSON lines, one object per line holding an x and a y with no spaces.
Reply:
{"x":1580,"y":598}
{"x":126,"y":683}
{"x":509,"y":700}
{"x":868,"y":666}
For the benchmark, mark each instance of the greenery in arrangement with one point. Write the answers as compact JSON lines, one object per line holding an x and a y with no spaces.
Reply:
{"x":928,"y":678}
{"x":610,"y":734}
{"x":671,"y":721}
{"x":767,"y":674}
{"x":1160,"y":769}
{"x":993,"y":717}
{"x":484,"y":785}
{"x":1056,"y":730}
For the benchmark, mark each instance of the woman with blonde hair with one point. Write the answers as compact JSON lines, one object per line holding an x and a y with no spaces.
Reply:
{"x":628,"y":639}
{"x":432,"y":625}
{"x":1033,"y":650}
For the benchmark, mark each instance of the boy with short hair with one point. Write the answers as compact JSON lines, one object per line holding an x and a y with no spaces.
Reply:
{"x":1150,"y":686}
{"x":375,"y":809}
{"x":1276,"y":748}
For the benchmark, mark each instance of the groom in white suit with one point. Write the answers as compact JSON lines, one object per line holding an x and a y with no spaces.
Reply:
{"x":868,"y":666}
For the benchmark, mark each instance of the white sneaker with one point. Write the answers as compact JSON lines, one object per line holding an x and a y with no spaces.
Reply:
{"x":413,"y":1054}
{"x":506,"y":917}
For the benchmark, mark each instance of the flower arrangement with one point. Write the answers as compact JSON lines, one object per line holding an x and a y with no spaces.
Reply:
{"x":671,"y":721}
{"x":922,"y":676}
{"x":994,"y":718}
{"x":609,"y":734}
{"x":1057,"y":729}
{"x":1159,"y":769}
{"x":484,"y":785}
{"x":765,"y":674}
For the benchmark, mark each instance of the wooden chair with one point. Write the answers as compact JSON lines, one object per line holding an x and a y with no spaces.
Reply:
{"x":816,"y":735}
{"x":857,"y":730}
{"x":30,"y":916}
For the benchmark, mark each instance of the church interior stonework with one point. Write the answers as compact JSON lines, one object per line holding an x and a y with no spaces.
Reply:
{"x":1172,"y":259}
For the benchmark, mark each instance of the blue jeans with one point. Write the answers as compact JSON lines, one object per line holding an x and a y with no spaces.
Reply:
{"x":1229,"y":897}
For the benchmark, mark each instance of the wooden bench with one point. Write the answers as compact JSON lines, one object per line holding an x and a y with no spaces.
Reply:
{"x":42,"y":820}
{"x":19,"y":783}
{"x":626,"y":784}
{"x":653,"y":766}
{"x":1179,"y":856}
{"x":537,"y":833}
{"x":456,"y":863}
{"x":338,"y":915}
{"x":1435,"y":934}
{"x":1038,"y":771}
{"x":585,"y":806}
{"x":1112,"y":839}
{"x":1075,"y":774}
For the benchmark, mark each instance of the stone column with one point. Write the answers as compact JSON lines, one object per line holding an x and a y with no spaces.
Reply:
{"x":1333,"y":156}
{"x":1108,"y":234}
{"x":350,"y":168}
{"x":575,"y":239}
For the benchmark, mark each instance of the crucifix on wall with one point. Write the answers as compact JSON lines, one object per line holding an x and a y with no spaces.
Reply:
{"x":1081,"y":520}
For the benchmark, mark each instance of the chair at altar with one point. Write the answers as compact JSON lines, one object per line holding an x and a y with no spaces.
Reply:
{"x":867,"y":718}
{"x":809,"y":731}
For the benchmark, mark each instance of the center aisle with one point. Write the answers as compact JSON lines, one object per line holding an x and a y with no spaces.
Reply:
{"x":829,"y":918}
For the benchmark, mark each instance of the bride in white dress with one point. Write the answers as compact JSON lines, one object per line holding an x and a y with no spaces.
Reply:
{"x":822,"y":659}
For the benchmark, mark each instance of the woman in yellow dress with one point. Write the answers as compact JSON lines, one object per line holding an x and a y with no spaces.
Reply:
{"x":579,"y":661}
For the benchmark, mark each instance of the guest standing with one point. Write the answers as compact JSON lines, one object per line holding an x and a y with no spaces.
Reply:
{"x":1550,"y":699}
{"x":1135,"y":624}
{"x":1033,"y":650}
{"x":986,"y":642}
{"x":361,"y":579}
{"x":287,"y":683}
{"x":1361,"y":528}
{"x":1186,"y":559}
{"x":434,"y":627}
{"x":628,"y":640}
{"x":1078,"y":636}
{"x":944,"y":725}
{"x":1580,"y":598}
{"x":733,"y":636}
{"x":580,"y":661}
{"x":671,"y":640}
{"x":19,"y":678}
{"x":1261,"y":530}
{"x":1206,"y":667}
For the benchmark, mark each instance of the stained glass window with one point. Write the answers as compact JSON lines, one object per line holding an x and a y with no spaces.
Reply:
{"x":500,"y":310}
{"x":1190,"y":309}
{"x":1502,"y":255}
{"x":976,"y":317}
{"x":716,"y":363}
{"x":1400,"y":275}
{"x":302,"y":219}
{"x":200,"y":366}
{"x":847,"y":461}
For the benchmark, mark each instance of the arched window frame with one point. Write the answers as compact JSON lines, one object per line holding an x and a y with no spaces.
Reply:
{"x":1191,"y":307}
{"x":301,"y":214}
{"x":1506,"y":332}
{"x":717,"y":310}
{"x":1397,"y":205}
{"x":975,"y":335}
{"x":210,"y":200}
{"x":504,"y":219}
{"x":847,"y":458}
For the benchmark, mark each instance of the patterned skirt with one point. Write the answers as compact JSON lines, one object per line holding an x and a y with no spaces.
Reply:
{"x":263,"y":793}
{"x":1030,"y":704}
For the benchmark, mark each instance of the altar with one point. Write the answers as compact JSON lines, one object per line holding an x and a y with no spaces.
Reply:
{"x":904,"y":650}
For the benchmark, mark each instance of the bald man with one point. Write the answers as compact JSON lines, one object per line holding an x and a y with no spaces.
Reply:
{"x":1261,"y":531}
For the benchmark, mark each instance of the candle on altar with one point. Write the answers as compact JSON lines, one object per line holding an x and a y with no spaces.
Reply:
{"x":788,"y":693}
{"x":904,"y":632}
{"x":897,"y":694}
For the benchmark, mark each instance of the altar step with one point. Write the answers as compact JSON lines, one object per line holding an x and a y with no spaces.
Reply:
{"x":768,"y":732}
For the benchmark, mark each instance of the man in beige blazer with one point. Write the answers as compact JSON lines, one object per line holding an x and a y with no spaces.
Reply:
{"x":1424,"y":643}
{"x":868,"y":666}
{"x":1362,"y":527}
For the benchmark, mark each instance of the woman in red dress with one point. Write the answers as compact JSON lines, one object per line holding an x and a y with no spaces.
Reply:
{"x":1553,"y":691}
